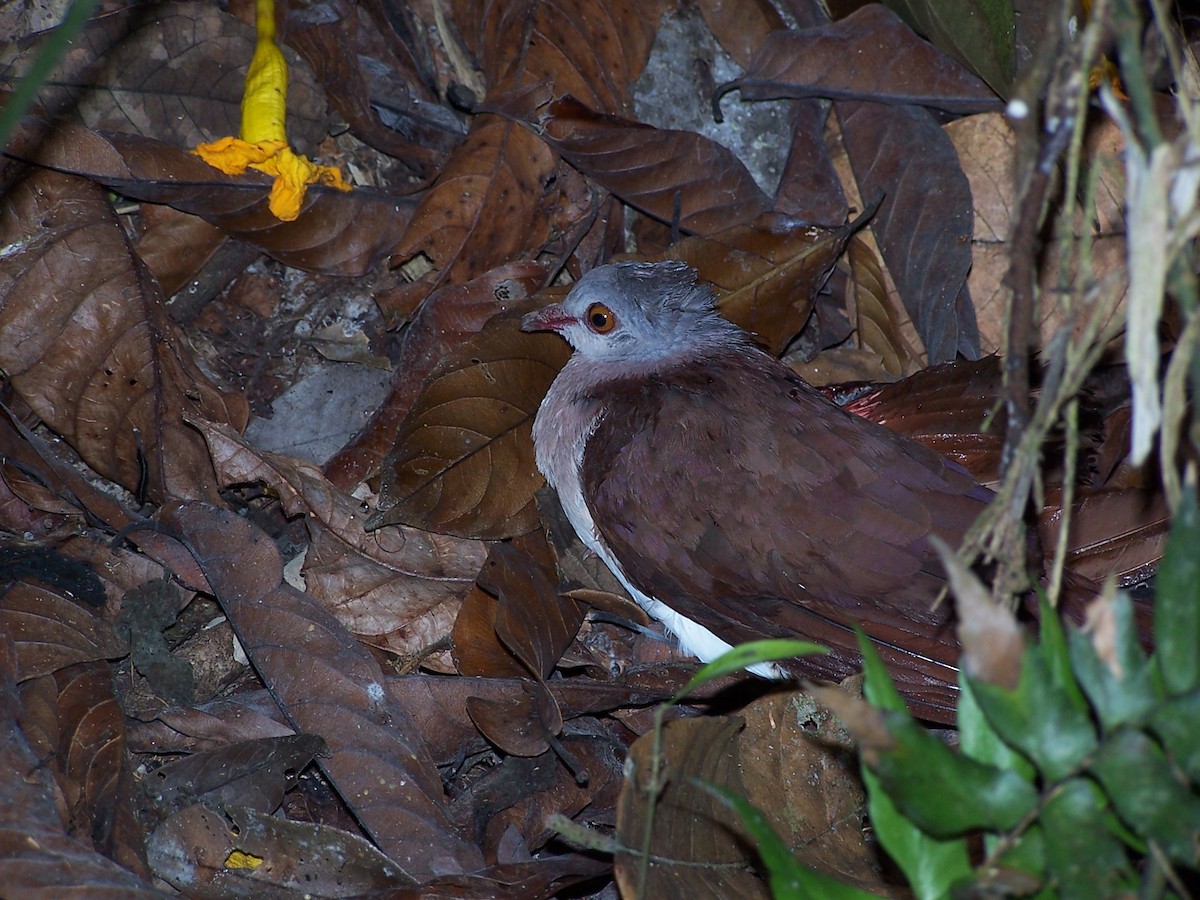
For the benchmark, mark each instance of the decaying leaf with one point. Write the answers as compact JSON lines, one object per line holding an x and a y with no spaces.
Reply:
{"x":87,"y":343}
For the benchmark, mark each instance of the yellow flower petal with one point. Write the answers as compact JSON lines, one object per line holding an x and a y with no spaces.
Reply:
{"x":263,"y":143}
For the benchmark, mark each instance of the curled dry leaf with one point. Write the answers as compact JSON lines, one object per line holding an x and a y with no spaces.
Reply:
{"x":43,"y":462}
{"x":828,"y":61}
{"x":87,"y":343}
{"x":877,"y":323}
{"x":536,"y":626}
{"x":328,"y":684}
{"x":399,"y":590}
{"x":337,"y":233}
{"x":993,"y":643}
{"x":463,"y":462}
{"x":89,"y":762}
{"x":36,"y":856}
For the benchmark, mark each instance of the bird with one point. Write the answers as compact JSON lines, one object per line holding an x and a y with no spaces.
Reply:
{"x":736,"y":502}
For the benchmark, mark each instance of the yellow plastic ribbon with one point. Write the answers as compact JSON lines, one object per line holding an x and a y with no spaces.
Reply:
{"x":263,"y":142}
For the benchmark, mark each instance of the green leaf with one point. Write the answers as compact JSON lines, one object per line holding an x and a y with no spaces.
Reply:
{"x":1178,"y":726}
{"x":1052,"y":643}
{"x":1027,"y":854}
{"x":1177,"y":601}
{"x":788,"y":878}
{"x":878,"y":686}
{"x":931,"y":866}
{"x":978,"y":740}
{"x":748,"y":654}
{"x":1117,"y":700}
{"x":1038,"y":718}
{"x":944,"y":793}
{"x":980,"y":34}
{"x":1082,"y":857}
{"x":1148,"y":797}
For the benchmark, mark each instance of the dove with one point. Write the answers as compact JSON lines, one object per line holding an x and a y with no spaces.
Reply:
{"x":733,"y":500}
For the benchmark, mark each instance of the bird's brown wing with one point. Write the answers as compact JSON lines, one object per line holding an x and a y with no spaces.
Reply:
{"x":737,"y":495}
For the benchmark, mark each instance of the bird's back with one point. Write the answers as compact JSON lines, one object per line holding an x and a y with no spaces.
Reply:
{"x":733,"y":491}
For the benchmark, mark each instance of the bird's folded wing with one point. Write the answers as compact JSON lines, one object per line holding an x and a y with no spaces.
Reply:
{"x":744,"y":500}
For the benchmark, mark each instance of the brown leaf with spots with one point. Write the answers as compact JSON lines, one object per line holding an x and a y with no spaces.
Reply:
{"x":87,"y":344}
{"x":490,"y":204}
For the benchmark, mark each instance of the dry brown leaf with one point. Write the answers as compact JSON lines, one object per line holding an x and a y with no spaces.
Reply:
{"x":678,"y":177}
{"x":90,"y":763}
{"x":740,"y":26}
{"x":593,"y":49}
{"x":987,"y":148}
{"x":51,"y":632}
{"x":827,"y":61}
{"x":87,"y":343}
{"x":463,"y":462}
{"x":923,"y":226}
{"x":767,"y":273}
{"x":447,"y":318}
{"x":399,"y":590}
{"x":36,"y":856}
{"x":197,"y":849}
{"x":801,"y":772}
{"x":491,"y":204}
{"x":174,"y":72}
{"x":877,"y":323}
{"x":328,"y":684}
{"x":175,"y":246}
{"x":696,"y":846}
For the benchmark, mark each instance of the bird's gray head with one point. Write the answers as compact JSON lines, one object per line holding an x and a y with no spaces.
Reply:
{"x":637,"y":311}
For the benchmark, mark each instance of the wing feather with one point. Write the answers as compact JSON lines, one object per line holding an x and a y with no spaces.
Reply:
{"x":741,"y":497}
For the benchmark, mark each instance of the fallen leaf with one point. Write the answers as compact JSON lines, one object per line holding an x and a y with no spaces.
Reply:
{"x":87,"y":343}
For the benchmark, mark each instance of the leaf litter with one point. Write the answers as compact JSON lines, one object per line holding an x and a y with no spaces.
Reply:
{"x":422,"y":696}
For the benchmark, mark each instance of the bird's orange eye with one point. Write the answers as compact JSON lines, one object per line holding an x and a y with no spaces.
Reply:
{"x":600,"y":318}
